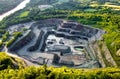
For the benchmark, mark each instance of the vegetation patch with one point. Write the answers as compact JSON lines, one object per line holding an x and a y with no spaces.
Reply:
{"x":24,"y":14}
{"x":9,"y":62}
{"x":90,"y":10}
{"x":60,"y":73}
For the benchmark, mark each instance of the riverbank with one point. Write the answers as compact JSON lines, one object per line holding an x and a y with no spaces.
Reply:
{"x":20,"y":6}
{"x":6,"y":5}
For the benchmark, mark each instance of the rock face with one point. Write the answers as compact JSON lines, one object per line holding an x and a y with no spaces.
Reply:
{"x":118,"y":53}
{"x":25,"y":40}
{"x":38,"y":41}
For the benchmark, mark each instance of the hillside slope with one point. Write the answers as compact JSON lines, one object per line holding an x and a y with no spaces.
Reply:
{"x":10,"y":62}
{"x":12,"y":68}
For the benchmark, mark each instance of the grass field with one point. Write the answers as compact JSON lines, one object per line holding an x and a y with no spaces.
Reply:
{"x":107,"y":5}
{"x":90,"y":10}
{"x":112,"y":6}
{"x":24,"y":14}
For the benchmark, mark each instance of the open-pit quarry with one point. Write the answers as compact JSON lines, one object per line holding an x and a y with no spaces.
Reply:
{"x":58,"y":42}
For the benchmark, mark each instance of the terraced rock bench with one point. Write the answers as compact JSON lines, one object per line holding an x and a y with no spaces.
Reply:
{"x":38,"y":41}
{"x":22,"y":42}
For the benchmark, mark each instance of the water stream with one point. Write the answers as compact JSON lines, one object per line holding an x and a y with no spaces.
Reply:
{"x":20,"y":6}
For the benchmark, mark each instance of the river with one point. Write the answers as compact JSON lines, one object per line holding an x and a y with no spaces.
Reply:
{"x":20,"y":6}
